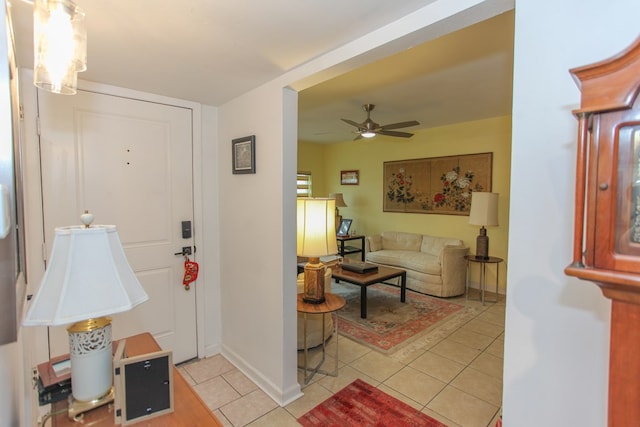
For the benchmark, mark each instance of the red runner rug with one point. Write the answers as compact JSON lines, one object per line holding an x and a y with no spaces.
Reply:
{"x":362,"y":405}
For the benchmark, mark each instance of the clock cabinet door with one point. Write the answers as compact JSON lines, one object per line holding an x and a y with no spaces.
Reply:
{"x":617,"y":210}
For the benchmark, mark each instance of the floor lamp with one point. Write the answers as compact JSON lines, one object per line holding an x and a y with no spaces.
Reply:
{"x":316,"y":237}
{"x":88,"y":277}
{"x":484,"y":212}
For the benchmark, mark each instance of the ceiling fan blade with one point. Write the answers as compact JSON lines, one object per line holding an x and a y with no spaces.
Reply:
{"x":400,"y":125}
{"x":351,"y":122}
{"x":394,"y":133}
{"x":357,"y":137}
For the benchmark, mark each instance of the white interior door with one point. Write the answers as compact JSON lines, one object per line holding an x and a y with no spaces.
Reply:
{"x":128,"y":162}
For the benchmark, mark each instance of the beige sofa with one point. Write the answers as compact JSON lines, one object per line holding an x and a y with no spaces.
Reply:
{"x":314,"y":321}
{"x":434,"y":265}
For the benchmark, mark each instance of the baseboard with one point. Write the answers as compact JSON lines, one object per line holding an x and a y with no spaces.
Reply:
{"x":281,"y":397}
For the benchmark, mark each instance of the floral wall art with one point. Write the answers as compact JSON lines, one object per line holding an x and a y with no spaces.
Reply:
{"x":437,"y":185}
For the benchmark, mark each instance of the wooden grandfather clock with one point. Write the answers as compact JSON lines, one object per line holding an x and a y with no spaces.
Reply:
{"x":607,"y":213}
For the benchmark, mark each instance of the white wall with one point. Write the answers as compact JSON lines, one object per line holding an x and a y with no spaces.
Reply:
{"x":557,"y":328}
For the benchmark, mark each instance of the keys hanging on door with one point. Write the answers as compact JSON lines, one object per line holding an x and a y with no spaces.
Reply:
{"x":190,"y":272}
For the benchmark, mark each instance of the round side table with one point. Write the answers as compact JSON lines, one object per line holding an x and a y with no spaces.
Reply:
{"x":330,"y":306}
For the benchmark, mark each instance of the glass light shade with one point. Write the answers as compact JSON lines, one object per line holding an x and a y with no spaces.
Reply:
{"x":368,"y":134}
{"x":340,"y":203}
{"x":316,"y":227}
{"x":484,"y":209}
{"x":88,"y":276}
{"x":59,"y":45}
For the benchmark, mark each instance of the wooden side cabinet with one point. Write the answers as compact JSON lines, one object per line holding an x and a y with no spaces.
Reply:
{"x":606,"y":246}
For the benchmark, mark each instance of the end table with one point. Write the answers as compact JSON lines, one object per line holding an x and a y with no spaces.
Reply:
{"x":332,"y":304}
{"x":483,"y":266}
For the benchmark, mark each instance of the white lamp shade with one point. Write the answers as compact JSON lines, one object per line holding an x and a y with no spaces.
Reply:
{"x":88,"y":276}
{"x":340,"y":203}
{"x":484,"y":209}
{"x":316,"y":227}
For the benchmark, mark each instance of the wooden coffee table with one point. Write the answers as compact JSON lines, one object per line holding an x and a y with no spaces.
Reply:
{"x":367,"y":279}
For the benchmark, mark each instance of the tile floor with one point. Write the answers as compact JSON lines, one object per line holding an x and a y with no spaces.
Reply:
{"x":454,"y":375}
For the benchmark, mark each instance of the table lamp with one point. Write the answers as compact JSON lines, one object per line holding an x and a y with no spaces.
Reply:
{"x":484,"y":212}
{"x":87,"y":278}
{"x":316,"y":238}
{"x":340,"y":203}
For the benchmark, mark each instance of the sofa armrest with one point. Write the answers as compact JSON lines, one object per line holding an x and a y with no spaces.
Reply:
{"x":454,"y":269}
{"x":373,"y":243}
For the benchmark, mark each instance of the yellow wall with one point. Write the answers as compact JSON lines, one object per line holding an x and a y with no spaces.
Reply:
{"x":367,"y":155}
{"x":313,"y":161}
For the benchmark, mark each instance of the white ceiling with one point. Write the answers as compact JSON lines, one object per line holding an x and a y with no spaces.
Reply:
{"x":211,"y":51}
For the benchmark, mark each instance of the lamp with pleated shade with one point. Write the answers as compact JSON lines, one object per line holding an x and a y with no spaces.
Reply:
{"x":484,"y":212}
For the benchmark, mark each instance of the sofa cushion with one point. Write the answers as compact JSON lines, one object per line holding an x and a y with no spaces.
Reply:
{"x":397,"y":240}
{"x":375,"y":243}
{"x":411,"y":260}
{"x":433,"y":245}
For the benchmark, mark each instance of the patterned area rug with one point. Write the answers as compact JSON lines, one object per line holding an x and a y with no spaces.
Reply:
{"x":390,"y":324}
{"x":360,"y":404}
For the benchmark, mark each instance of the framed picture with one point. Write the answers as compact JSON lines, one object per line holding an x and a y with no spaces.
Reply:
{"x":243,"y":154}
{"x":345,"y":225}
{"x":350,"y":177}
{"x":435,"y":185}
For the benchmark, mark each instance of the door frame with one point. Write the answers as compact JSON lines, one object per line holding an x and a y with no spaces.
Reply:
{"x":34,"y":215}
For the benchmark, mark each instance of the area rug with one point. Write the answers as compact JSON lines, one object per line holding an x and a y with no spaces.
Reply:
{"x":390,"y":324}
{"x":362,"y":405}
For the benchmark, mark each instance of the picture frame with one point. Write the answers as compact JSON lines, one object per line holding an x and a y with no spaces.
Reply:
{"x":243,"y":155}
{"x":350,"y":177}
{"x":435,"y":185}
{"x":143,"y":385}
{"x":345,"y":225}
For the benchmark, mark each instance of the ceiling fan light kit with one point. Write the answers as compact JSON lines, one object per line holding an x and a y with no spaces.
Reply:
{"x":369,"y":128}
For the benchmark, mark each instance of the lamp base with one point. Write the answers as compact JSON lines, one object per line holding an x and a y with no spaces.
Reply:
{"x":91,"y":360}
{"x":314,"y":281}
{"x":482,"y":244}
{"x":78,"y":407}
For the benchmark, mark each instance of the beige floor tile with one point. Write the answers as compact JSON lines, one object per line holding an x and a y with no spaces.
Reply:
{"x":480,"y":385}
{"x":491,"y":316}
{"x":349,"y":350}
{"x":444,"y":420}
{"x":496,"y":348}
{"x":437,"y":366}
{"x":248,"y":408}
{"x":471,"y":339}
{"x":488,"y":364}
{"x":484,"y":328}
{"x":455,"y":351}
{"x":211,"y":367}
{"x":377,"y":366}
{"x":415,"y":385}
{"x":186,"y":376}
{"x":346,"y":376}
{"x":313,"y":396}
{"x":225,"y":422}
{"x":239,"y":382}
{"x":401,"y":397}
{"x":216,"y":392}
{"x":462,"y":408}
{"x":278,"y":417}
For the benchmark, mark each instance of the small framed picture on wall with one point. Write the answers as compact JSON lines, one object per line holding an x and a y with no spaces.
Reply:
{"x":350,"y":177}
{"x":243,"y":152}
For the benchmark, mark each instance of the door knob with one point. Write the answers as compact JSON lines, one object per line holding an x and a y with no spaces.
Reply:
{"x":186,"y":250}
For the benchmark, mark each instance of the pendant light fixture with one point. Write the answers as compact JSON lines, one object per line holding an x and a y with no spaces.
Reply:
{"x":59,"y":45}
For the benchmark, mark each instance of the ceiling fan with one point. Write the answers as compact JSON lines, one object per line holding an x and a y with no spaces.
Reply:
{"x":369,"y":128}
